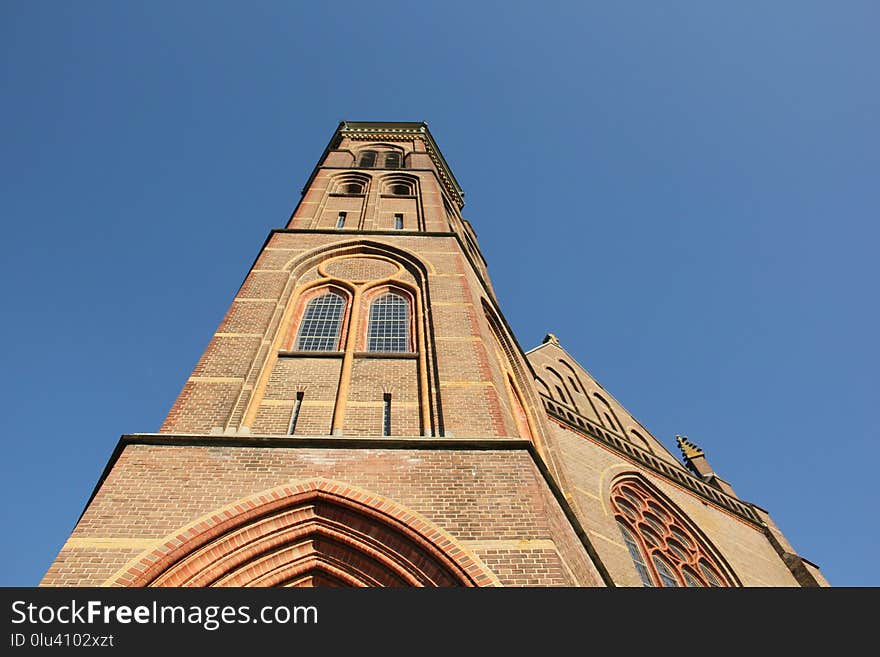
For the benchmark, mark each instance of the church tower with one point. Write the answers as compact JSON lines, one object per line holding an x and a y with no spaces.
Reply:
{"x":363,"y":416}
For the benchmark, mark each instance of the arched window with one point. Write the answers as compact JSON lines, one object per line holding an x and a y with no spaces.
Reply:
{"x":367,"y":159}
{"x":609,"y":414}
{"x":352,"y":182}
{"x":663,"y":550}
{"x":321,"y":322}
{"x":388,"y":328}
{"x":392,"y":160}
{"x":665,"y":572}
{"x":636,"y":554}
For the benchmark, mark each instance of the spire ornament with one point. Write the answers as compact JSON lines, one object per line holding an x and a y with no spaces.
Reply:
{"x":688,"y":449}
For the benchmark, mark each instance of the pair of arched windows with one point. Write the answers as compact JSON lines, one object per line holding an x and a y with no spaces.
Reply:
{"x":385,"y":159}
{"x":388,"y":323}
{"x":663,"y":550}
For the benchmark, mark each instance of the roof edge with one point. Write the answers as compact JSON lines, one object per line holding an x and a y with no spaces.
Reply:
{"x":404,"y":127}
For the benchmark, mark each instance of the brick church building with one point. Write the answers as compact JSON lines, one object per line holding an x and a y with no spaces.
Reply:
{"x":364,"y":416}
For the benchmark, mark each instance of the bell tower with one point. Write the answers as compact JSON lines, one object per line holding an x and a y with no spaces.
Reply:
{"x":364,"y":416}
{"x":363,"y":358}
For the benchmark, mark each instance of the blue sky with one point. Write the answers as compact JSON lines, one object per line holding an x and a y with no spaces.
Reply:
{"x":685,"y":193}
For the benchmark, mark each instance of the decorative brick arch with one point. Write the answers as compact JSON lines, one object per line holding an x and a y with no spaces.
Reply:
{"x":412,"y":274}
{"x":313,"y":533}
{"x":662,"y":534}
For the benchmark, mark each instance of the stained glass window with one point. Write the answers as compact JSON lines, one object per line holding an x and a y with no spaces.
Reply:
{"x":319,"y":329}
{"x":636,"y":555}
{"x":665,"y":572}
{"x":388,"y":329}
{"x":664,"y":552}
{"x":710,"y":575}
{"x":691,"y":579}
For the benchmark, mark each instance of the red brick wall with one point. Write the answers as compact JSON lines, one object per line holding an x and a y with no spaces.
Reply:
{"x":495,"y":502}
{"x":467,"y":383}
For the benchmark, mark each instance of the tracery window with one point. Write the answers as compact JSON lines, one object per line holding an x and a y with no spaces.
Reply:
{"x":664,"y":551}
{"x":388,"y":327}
{"x":321,"y":322}
{"x":636,"y":554}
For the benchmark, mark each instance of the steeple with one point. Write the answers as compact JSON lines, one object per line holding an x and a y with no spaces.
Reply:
{"x":364,"y":416}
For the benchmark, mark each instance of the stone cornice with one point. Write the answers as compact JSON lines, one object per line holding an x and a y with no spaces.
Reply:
{"x":392,"y":131}
{"x":676,"y":475}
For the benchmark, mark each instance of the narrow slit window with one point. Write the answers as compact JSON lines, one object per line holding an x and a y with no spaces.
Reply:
{"x":340,"y":220}
{"x":386,"y":414}
{"x":398,"y":222}
{"x":388,"y":328}
{"x":322,"y":319}
{"x":295,"y":415}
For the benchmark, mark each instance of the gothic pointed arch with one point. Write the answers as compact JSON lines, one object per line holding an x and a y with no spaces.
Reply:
{"x":357,"y":265}
{"x":543,"y":386}
{"x":608,"y":415}
{"x":316,"y":532}
{"x":389,"y":321}
{"x":411,"y":262}
{"x":561,"y":387}
{"x":320,"y":317}
{"x":666,"y":548}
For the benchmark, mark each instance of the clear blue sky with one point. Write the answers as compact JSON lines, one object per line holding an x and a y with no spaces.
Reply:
{"x":685,"y":193}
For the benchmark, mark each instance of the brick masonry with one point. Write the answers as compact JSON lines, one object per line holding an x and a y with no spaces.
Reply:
{"x":525,"y":517}
{"x":495,"y":502}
